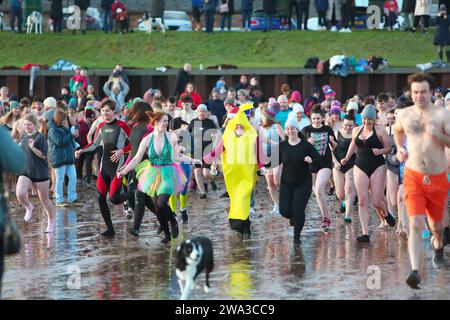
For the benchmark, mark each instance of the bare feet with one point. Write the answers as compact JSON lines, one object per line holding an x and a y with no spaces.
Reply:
{"x":50,"y":226}
{"x":29,"y":213}
{"x":383,"y":225}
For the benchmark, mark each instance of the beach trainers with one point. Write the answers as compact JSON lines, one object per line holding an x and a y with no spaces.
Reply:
{"x":363,"y":238}
{"x":438,"y":258}
{"x":127,"y":210}
{"x":390,"y":220}
{"x":413,"y":279}
{"x":184,"y":215}
{"x":342,"y":207}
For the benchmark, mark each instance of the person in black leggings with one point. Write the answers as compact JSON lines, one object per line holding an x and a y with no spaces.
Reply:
{"x":112,"y":134}
{"x":370,"y":143}
{"x":296,"y":180}
{"x":160,"y":176}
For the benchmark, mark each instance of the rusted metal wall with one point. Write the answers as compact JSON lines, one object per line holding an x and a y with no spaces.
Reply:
{"x":49,"y":83}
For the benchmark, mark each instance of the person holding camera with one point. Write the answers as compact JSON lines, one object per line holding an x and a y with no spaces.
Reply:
{"x":118,"y":92}
{"x":442,"y":35}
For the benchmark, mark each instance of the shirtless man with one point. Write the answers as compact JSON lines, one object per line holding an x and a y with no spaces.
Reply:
{"x":427,"y":129}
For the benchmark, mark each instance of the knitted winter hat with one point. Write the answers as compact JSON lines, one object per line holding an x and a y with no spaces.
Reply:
{"x":296,"y":96}
{"x":369,"y":113}
{"x":330,"y":93}
{"x":271,"y":111}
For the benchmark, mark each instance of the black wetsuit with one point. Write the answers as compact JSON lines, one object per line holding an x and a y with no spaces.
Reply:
{"x":341,"y":151}
{"x":365,"y":159}
{"x":112,"y":136}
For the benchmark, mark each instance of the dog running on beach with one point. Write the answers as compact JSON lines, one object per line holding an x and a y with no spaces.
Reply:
{"x":193,"y":256}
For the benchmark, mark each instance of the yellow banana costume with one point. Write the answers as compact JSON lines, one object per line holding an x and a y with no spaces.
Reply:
{"x":239,"y":162}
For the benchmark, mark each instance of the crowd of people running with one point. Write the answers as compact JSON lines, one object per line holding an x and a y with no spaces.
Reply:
{"x":145,"y":152}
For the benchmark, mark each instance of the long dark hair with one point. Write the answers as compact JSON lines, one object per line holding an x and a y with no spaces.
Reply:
{"x":140,"y":112}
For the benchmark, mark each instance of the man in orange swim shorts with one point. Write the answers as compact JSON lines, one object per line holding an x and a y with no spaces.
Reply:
{"x":427,"y":129}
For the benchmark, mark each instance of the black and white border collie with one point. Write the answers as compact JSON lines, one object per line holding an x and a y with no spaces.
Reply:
{"x":193,"y":256}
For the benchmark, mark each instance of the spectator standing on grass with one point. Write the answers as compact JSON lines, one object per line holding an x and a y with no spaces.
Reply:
{"x":196,"y":15}
{"x":15,"y":11}
{"x":107,"y":15}
{"x":408,"y":8}
{"x":269,"y":8}
{"x":83,"y":4}
{"x":246,"y":12}
{"x":157,"y":9}
{"x":391,"y":12}
{"x":56,"y":14}
{"x":442,"y":35}
{"x":322,"y":8}
{"x":422,"y":12}
{"x":283,"y":13}
{"x":226,"y":11}
{"x":210,"y":7}
{"x":346,"y":9}
{"x":334,"y":14}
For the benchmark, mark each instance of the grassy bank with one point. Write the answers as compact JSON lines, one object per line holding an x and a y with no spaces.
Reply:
{"x":245,"y":50}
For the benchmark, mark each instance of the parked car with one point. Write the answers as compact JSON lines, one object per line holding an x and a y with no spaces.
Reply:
{"x":93,"y":18}
{"x":258,"y":22}
{"x":173,"y":20}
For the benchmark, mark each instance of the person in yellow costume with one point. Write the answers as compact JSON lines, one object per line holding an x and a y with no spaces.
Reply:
{"x":239,"y":149}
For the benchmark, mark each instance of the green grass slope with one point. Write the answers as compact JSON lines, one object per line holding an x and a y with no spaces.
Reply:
{"x":245,"y":50}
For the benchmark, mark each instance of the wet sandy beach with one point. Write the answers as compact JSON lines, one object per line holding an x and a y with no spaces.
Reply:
{"x":267,"y":266}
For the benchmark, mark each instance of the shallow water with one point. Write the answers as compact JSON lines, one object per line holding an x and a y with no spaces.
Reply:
{"x":267,"y":266}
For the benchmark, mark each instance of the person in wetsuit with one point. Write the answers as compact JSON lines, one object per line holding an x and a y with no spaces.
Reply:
{"x":112,"y":134}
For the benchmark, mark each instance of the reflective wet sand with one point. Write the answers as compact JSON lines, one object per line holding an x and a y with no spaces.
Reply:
{"x":267,"y":266}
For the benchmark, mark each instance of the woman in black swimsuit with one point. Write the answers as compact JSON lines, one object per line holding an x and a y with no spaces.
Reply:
{"x":370,"y":143}
{"x":343,"y":174}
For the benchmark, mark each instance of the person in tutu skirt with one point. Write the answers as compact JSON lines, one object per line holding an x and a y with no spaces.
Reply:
{"x":160,"y":176}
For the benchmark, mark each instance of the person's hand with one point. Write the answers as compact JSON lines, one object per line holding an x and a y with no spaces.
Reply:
{"x":376,"y":152}
{"x":337,"y":165}
{"x":344,"y":161}
{"x":31,"y":143}
{"x":402,"y":154}
{"x":332,"y":140}
{"x":311,"y":140}
{"x":121,"y":173}
{"x":77,"y":154}
{"x":76,"y":133}
{"x":308,"y":159}
{"x":196,"y":162}
{"x":116,"y":155}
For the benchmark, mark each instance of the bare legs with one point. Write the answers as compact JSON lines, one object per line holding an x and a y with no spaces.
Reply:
{"x":23,"y":185}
